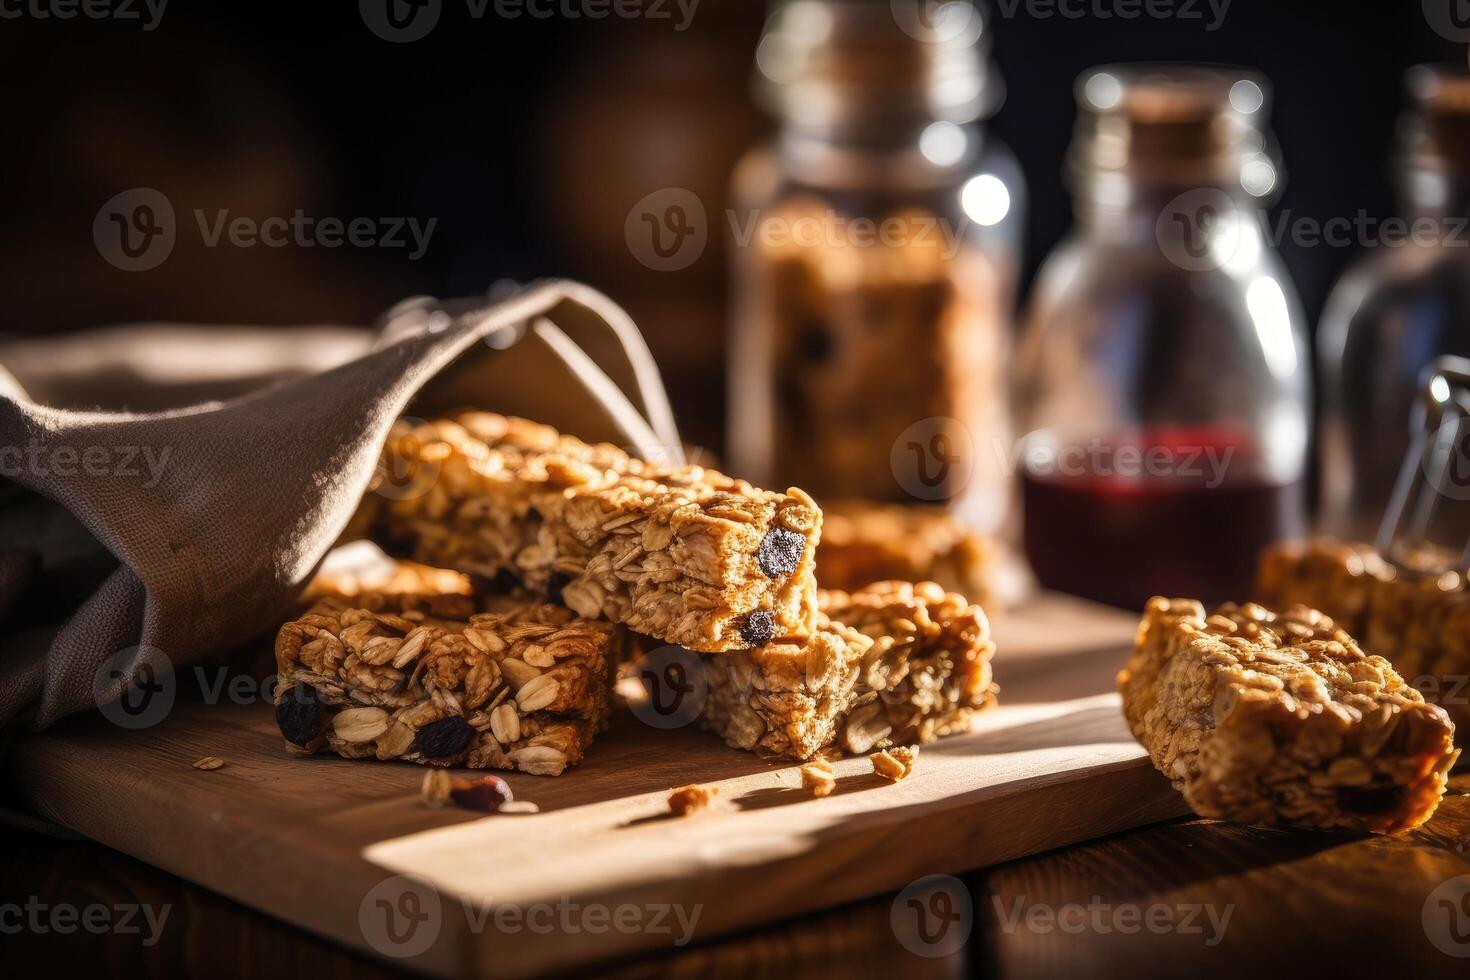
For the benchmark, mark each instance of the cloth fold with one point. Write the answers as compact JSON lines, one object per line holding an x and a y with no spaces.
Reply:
{"x":191,"y":529}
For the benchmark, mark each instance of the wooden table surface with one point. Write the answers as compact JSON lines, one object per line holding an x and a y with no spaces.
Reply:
{"x":1338,"y":906}
{"x":1181,"y":897}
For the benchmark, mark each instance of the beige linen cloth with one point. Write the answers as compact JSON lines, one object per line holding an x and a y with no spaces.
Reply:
{"x":175,"y":487}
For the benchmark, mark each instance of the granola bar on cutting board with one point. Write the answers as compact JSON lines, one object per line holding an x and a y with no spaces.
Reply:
{"x":1273,"y":718}
{"x":308,"y":837}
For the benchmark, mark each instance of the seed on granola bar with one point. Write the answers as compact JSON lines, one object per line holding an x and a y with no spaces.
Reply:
{"x":1281,"y":718}
{"x":299,"y":715}
{"x":444,"y":738}
{"x":691,"y":799}
{"x":780,"y":552}
{"x":896,"y":763}
{"x":759,"y":627}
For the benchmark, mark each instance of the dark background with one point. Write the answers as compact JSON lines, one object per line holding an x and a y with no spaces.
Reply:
{"x":530,"y":139}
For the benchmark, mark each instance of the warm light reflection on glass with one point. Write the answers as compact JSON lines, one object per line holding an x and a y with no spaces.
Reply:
{"x":1266,"y":302}
{"x":985,"y":199}
{"x":942,"y":143}
{"x":1103,"y":90}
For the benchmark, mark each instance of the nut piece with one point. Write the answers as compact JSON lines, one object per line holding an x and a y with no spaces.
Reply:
{"x":436,"y":787}
{"x":539,"y":760}
{"x":360,"y":724}
{"x":818,"y":778}
{"x":519,"y":806}
{"x":209,"y":762}
{"x":691,"y":799}
{"x":895,"y":763}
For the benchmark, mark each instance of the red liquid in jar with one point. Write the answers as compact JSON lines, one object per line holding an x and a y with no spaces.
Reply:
{"x":1121,"y":541}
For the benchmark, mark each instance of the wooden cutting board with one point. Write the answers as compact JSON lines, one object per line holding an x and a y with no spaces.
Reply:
{"x":602,"y":871}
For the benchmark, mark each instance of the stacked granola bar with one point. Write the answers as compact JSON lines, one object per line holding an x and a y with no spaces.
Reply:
{"x":444,"y":680}
{"x":681,"y":553}
{"x":1419,"y":619}
{"x":1270,"y":718}
{"x":894,"y":662}
{"x":865,"y":542}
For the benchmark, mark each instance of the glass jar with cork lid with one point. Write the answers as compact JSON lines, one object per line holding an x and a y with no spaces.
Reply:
{"x":1163,"y":385}
{"x":876,"y":239}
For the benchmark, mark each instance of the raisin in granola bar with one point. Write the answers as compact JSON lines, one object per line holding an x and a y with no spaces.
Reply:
{"x":1282,"y":719}
{"x":444,"y":680}
{"x":894,"y":662}
{"x":1417,"y":617}
{"x":681,"y":553}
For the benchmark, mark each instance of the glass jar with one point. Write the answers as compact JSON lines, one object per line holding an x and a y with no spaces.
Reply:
{"x":1393,"y":313}
{"x":1163,"y":390}
{"x":876,"y":241}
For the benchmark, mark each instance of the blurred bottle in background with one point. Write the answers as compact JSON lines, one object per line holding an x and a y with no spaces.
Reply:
{"x":877,"y":237}
{"x":1393,"y":313}
{"x":1163,"y":386}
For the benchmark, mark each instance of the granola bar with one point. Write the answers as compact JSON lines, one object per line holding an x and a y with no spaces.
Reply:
{"x":444,"y":680}
{"x":866,"y":542}
{"x":681,"y":553}
{"x":1417,"y":616}
{"x":892,"y":663}
{"x":1282,"y":719}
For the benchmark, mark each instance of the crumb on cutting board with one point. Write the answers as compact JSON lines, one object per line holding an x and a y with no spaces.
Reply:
{"x":691,"y":799}
{"x":896,"y":763}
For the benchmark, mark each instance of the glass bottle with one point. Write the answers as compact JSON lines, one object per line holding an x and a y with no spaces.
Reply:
{"x":876,"y":239}
{"x":1163,"y":389}
{"x":1395,"y":311}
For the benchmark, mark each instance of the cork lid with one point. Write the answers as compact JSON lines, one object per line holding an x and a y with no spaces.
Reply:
{"x":1192,"y":125}
{"x":838,"y":62}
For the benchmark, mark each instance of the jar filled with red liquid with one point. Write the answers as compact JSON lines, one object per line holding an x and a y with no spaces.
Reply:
{"x":1163,"y":380}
